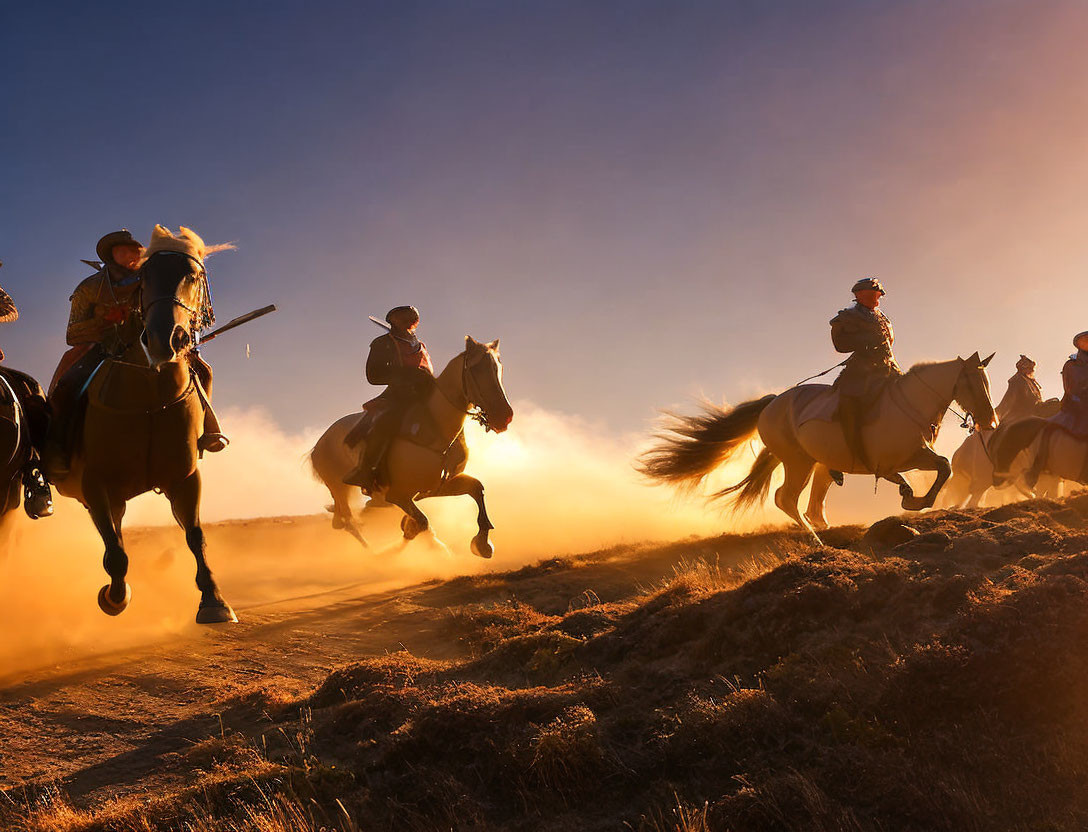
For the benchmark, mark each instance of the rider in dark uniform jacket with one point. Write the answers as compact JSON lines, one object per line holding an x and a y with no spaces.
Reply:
{"x":401,"y":361}
{"x":37,"y":495}
{"x":865,"y":332}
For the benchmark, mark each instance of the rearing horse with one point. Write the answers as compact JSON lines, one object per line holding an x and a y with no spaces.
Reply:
{"x":143,"y":417}
{"x":471,"y":379}
{"x":898,"y":439}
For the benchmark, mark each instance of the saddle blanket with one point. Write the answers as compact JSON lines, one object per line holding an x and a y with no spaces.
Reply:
{"x":816,"y":403}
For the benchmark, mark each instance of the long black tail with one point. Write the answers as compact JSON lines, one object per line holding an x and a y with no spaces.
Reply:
{"x":690,"y":447}
{"x":1009,"y":440}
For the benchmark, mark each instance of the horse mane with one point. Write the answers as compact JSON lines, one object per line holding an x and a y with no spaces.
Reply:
{"x":186,"y":241}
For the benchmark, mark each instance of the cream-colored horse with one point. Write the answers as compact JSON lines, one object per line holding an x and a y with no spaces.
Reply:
{"x":1066,"y":455}
{"x":471,"y":379}
{"x":897,"y":439}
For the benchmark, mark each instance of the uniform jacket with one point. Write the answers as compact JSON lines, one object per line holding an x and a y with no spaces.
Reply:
{"x":101,"y":305}
{"x":404,"y":366}
{"x":1074,"y":413}
{"x":8,"y":312}
{"x":867,"y":335}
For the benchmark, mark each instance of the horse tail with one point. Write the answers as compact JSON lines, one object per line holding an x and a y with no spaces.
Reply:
{"x":754,"y":488}
{"x":1009,"y":440}
{"x":690,"y":447}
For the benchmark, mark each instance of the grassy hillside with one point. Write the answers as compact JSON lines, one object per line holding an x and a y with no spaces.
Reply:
{"x":938,"y":684}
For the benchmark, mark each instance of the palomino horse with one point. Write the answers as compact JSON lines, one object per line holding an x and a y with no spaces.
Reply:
{"x":143,"y":417}
{"x":973,"y":468}
{"x":1066,"y":455}
{"x":472,"y":379}
{"x":898,"y":439}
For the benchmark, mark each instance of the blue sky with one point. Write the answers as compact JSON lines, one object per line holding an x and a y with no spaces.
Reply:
{"x":644,"y":201}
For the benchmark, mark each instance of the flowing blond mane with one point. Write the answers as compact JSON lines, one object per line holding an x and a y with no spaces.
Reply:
{"x":186,"y":241}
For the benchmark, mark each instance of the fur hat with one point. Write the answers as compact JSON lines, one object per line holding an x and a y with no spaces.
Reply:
{"x":398,"y":310}
{"x":105,"y":246}
{"x":867,"y":283}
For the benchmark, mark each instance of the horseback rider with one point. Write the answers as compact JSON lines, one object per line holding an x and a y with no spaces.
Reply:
{"x":400,"y":360}
{"x":865,"y":332}
{"x":37,"y":495}
{"x":1023,"y":396}
{"x":104,"y":321}
{"x":1073,"y":416}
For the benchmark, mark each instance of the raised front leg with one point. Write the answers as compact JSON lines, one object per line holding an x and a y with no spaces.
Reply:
{"x":114,"y":596}
{"x":926,"y":459}
{"x":185,"y":503}
{"x":464,"y":484}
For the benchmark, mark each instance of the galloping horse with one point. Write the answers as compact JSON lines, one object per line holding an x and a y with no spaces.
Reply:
{"x":143,"y":417}
{"x":473,"y":379}
{"x":973,"y":467}
{"x":15,"y":448}
{"x":1066,"y":455}
{"x":898,"y":439}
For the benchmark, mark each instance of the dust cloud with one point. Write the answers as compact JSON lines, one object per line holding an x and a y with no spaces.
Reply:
{"x":555,"y":485}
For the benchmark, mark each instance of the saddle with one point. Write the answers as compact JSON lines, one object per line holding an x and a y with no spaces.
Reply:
{"x":417,"y":426}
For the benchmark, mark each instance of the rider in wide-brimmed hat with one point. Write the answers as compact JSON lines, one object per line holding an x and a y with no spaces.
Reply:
{"x":866,"y":333}
{"x":103,"y":318}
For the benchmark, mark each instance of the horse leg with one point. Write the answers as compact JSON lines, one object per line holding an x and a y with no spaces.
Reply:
{"x":185,"y":503}
{"x":114,"y":596}
{"x":464,"y":484}
{"x":817,"y":497}
{"x":926,"y":459}
{"x":789,"y":493}
{"x":414,"y":522}
{"x":341,"y":511}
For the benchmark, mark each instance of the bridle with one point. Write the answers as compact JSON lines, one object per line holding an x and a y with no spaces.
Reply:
{"x":470,"y":389}
{"x":202,"y":313}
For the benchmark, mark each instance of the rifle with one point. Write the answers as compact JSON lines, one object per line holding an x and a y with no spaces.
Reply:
{"x":243,"y":319}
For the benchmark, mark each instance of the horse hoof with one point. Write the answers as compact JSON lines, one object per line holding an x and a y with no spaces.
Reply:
{"x":914,"y":504}
{"x":337,"y":522}
{"x":409,"y":527}
{"x":108,"y":605}
{"x":481,"y":547}
{"x":218,"y":612}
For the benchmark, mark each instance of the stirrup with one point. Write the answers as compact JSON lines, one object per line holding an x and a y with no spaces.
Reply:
{"x":37,"y":495}
{"x":213,"y":443}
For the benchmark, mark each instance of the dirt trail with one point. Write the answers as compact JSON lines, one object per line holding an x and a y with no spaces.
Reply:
{"x":120,"y":721}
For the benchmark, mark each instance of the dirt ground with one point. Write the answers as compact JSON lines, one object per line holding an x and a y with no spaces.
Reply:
{"x":110,"y":714}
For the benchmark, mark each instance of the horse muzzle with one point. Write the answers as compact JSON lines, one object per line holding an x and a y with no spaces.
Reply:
{"x":501,"y":421}
{"x":162,"y":350}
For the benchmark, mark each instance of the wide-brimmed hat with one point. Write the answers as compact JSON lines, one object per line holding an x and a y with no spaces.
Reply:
{"x":105,"y":246}
{"x":1077,"y":338}
{"x":867,"y":283}
{"x":399,"y":310}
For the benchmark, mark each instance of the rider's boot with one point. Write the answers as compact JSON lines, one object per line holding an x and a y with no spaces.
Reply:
{"x":1038,"y":465}
{"x":37,"y":495}
{"x":212,"y":440}
{"x":366,"y":473}
{"x":851,"y":417}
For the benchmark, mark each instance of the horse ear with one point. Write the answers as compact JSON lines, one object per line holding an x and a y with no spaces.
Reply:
{"x":494,"y":345}
{"x":975,"y":359}
{"x":986,"y":361}
{"x":471,"y":342}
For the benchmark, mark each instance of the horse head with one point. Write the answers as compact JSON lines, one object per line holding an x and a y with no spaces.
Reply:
{"x":972,"y":391}
{"x":481,"y":383}
{"x":175,"y":300}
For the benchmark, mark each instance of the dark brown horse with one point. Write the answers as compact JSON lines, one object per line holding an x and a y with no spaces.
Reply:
{"x":15,"y":445}
{"x":143,"y":417}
